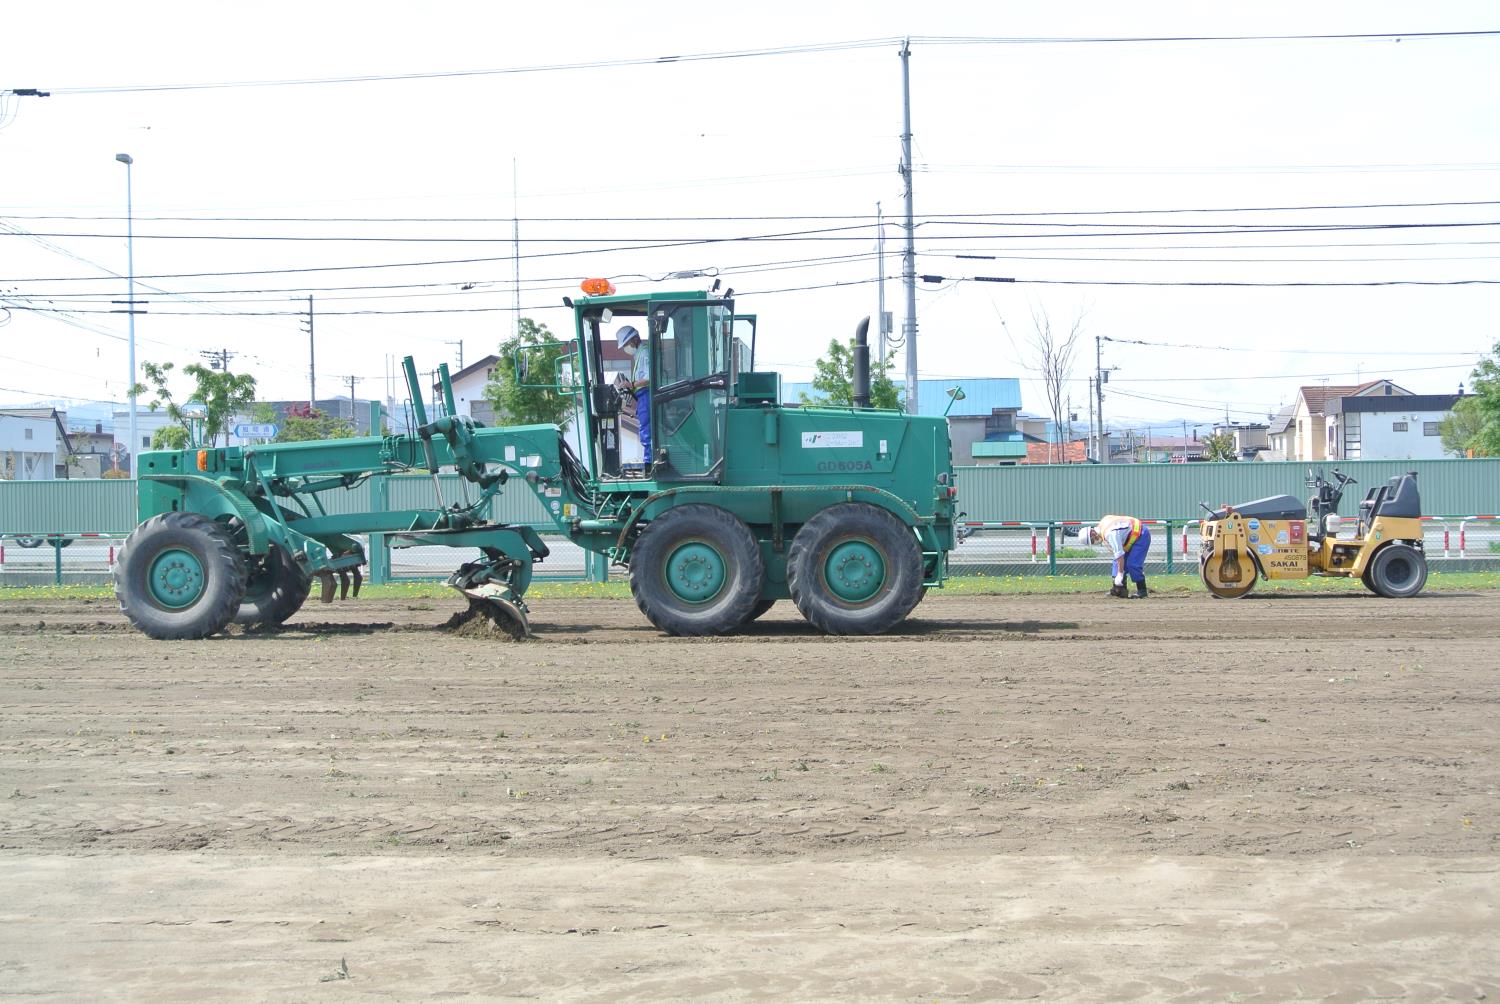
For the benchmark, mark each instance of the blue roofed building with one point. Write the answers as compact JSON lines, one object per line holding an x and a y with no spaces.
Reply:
{"x":981,"y":422}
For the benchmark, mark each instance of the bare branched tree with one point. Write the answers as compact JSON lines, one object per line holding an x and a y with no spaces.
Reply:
{"x":1053,"y":349}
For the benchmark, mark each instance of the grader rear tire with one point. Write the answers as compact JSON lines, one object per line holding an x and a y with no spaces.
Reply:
{"x":697,"y":570}
{"x":1397,"y":571}
{"x":854,"y":568}
{"x":179,"y":576}
{"x":275,"y":592}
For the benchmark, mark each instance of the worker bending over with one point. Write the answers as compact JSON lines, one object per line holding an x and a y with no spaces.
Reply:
{"x":1129,"y":541}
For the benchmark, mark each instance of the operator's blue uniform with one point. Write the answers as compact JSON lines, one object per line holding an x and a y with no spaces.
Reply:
{"x":640,"y":374}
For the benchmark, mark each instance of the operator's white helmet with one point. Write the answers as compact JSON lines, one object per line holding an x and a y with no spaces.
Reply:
{"x":625,"y":334}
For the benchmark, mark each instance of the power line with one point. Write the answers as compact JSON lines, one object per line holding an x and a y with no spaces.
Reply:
{"x":1264,"y":350}
{"x":843,"y":233}
{"x":672,"y":59}
{"x":862,"y":218}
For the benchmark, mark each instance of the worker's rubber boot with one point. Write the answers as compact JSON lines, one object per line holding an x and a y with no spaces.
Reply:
{"x":1119,"y":592}
{"x":1140,"y":590}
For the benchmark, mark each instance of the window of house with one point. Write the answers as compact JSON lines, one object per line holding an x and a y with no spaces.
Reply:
{"x":28,"y":434}
{"x":994,"y":424}
{"x":1430,"y":429}
{"x":1398,"y":426}
{"x":145,"y":442}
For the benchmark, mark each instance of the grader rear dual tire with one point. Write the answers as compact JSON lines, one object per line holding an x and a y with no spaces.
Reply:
{"x":697,"y":570}
{"x":180,"y":576}
{"x":273,"y":592}
{"x":855,"y":569}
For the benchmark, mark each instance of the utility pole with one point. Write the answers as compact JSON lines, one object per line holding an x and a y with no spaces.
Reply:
{"x":880,"y":263}
{"x":1099,"y":378}
{"x":515,"y":248}
{"x":460,"y":345}
{"x":1092,"y":444}
{"x":218,"y":359}
{"x":909,"y":260}
{"x":312,"y":359}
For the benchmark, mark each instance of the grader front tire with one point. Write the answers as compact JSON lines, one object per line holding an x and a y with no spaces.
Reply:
{"x":697,"y":570}
{"x":179,"y":576}
{"x":855,"y":569}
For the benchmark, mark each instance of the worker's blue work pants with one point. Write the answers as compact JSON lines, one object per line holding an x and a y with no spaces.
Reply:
{"x":643,"y":418}
{"x":1135,"y":558}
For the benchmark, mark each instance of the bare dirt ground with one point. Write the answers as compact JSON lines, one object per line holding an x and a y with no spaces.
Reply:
{"x":1054,"y":797}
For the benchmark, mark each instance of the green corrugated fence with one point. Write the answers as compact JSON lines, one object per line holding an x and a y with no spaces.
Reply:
{"x":1031,"y":493}
{"x":1042,"y":493}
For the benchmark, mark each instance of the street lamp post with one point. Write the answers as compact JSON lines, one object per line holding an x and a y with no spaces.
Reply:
{"x":135,"y":441}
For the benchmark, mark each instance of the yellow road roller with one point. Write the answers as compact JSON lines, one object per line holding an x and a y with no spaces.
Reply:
{"x":1279,"y":538}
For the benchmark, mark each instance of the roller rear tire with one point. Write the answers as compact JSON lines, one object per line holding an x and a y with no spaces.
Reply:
{"x":1397,"y":571}
{"x":180,"y":576}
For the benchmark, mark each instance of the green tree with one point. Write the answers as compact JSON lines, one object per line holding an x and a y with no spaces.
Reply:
{"x":170,"y":437}
{"x":833,"y":379}
{"x":1219,"y":446}
{"x":223,"y":395}
{"x":524,"y":390}
{"x":1460,"y":428}
{"x":1474,"y":427}
{"x":303,"y":424}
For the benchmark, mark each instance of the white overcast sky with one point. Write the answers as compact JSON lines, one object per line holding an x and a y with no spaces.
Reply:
{"x":795,"y":149}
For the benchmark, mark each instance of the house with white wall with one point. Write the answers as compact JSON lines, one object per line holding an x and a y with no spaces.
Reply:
{"x":1401,"y":426}
{"x":28,"y":446}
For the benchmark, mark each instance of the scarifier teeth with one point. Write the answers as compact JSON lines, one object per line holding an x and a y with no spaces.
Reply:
{"x":358,"y":580}
{"x":325,"y":584}
{"x":343,"y":585}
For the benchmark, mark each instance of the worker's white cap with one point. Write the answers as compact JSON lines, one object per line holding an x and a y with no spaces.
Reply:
{"x":625,"y":334}
{"x":1090,"y":532}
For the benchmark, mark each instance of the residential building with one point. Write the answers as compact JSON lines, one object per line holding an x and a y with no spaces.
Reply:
{"x":1250,"y":438}
{"x":1402,"y":426}
{"x":356,"y":413}
{"x":1137,"y":448}
{"x":93,"y":451}
{"x":1280,"y":435}
{"x":57,"y":432}
{"x":29,"y":444}
{"x":1039,"y":451}
{"x":468,"y":390}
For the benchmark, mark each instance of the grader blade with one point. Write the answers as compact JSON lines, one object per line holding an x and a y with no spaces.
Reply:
{"x":493,"y":605}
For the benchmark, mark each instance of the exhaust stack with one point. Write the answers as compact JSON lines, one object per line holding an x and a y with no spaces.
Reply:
{"x":862,"y":364}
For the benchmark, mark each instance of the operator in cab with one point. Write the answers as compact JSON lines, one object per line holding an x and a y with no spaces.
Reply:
{"x":1129,"y":541}
{"x":639,"y":383}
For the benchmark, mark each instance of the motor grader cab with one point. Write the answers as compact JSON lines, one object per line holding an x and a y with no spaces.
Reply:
{"x":848,"y":512}
{"x":1277,"y":538}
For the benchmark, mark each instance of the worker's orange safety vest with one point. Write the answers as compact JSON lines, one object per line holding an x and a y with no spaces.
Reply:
{"x":1110,"y":522}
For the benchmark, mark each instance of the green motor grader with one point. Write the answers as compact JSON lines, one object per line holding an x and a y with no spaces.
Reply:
{"x":848,"y":512}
